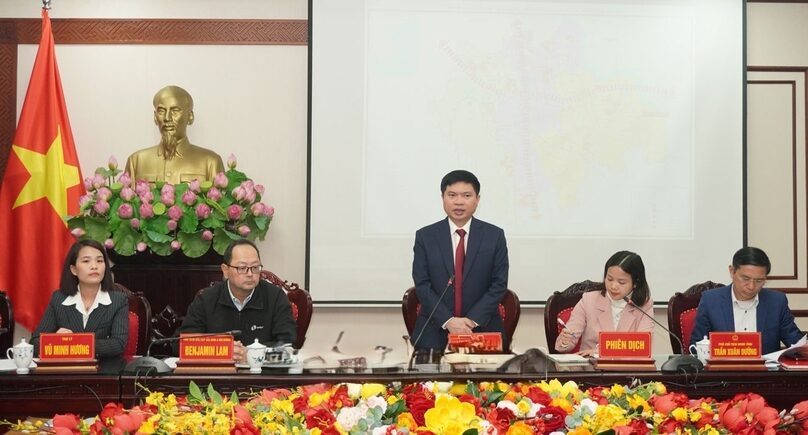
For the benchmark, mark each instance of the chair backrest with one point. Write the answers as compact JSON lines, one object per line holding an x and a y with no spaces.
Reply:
{"x":140,"y":322}
{"x":559,"y":306}
{"x":302,"y":305}
{"x":509,"y":311}
{"x":682,"y":313}
{"x":7,"y":322}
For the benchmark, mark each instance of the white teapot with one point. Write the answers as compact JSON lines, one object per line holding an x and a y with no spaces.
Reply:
{"x":23,"y":355}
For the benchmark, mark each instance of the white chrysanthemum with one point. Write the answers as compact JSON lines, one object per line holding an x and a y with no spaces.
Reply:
{"x":348,"y":417}
{"x":507,"y":404}
{"x":589,"y":405}
{"x":534,"y":409}
{"x":376,"y":402}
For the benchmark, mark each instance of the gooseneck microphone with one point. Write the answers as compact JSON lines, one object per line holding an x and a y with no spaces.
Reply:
{"x":677,"y":363}
{"x":149,"y":365}
{"x":428,"y":319}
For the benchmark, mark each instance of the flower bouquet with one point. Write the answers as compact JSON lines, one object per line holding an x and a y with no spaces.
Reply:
{"x":438,"y":408}
{"x":130,"y":216}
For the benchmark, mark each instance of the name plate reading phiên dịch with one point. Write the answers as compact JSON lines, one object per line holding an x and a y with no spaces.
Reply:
{"x":78,"y":346}
{"x":205,"y":347}
{"x":735,"y":345}
{"x":632,"y":345}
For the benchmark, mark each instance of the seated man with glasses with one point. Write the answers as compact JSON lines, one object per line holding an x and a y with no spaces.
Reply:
{"x":244,"y":302}
{"x":746,"y":305}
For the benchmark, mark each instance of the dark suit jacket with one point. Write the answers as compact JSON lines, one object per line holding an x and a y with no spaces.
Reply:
{"x":110,"y":323}
{"x":485,"y":279}
{"x":267,"y":316}
{"x":774,"y":318}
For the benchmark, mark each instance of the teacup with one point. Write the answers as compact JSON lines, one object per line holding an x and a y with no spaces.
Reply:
{"x":702,"y":349}
{"x":256,"y":355}
{"x":23,"y":355}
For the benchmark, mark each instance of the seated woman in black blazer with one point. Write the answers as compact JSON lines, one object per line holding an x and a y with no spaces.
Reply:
{"x":86,"y":301}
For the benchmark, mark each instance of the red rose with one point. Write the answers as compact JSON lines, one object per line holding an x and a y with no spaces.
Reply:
{"x":666,"y":403}
{"x":537,"y":395}
{"x":340,"y":398}
{"x":669,"y":426}
{"x":553,"y":417}
{"x":501,"y":418}
{"x":635,"y":427}
{"x":419,"y":401}
{"x":300,"y":404}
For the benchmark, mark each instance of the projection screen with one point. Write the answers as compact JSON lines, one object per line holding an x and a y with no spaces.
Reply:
{"x":593,"y":127}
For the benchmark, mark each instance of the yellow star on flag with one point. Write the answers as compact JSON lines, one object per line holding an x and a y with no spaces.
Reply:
{"x":50,"y":176}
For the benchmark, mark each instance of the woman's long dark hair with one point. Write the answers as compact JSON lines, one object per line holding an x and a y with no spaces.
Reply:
{"x":69,"y":285}
{"x":631,"y":263}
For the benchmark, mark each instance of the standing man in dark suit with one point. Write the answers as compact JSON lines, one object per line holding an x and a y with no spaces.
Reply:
{"x":746,"y":305}
{"x":468,"y":256}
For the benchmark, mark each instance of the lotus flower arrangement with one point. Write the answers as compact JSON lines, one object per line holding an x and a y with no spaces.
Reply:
{"x":130,"y":216}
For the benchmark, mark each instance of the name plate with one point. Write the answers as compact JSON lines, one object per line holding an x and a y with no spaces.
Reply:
{"x":477,"y":342}
{"x":624,"y":344}
{"x":206,"y":347}
{"x":735,"y":345}
{"x":67,"y":347}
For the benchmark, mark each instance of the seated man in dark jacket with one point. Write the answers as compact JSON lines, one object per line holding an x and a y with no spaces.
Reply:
{"x":244,"y":302}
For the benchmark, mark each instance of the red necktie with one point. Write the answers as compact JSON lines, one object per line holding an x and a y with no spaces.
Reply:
{"x":460,"y":260}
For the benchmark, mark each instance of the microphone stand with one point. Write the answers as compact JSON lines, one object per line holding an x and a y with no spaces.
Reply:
{"x":677,"y":363}
{"x":151,"y":365}
{"x":428,"y":319}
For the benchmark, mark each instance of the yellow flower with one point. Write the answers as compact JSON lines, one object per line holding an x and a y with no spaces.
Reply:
{"x":563,"y":404}
{"x":370,"y":390}
{"x":405,"y":419}
{"x":450,"y":416}
{"x":709,"y":430}
{"x":660,"y":388}
{"x":317,"y":398}
{"x":679,"y":414}
{"x":635,"y":401}
{"x":520,"y":428}
{"x":458,"y":390}
{"x":147,"y":427}
{"x":502,"y":386}
{"x":695,"y":416}
{"x":392,"y":399}
{"x":523,"y":406}
{"x":155,"y":398}
{"x":579,"y":431}
{"x":617,"y":391}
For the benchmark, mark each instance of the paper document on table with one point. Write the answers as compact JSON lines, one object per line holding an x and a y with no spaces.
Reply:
{"x":774,"y":356}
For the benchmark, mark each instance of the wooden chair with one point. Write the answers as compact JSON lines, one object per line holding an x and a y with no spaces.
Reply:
{"x":140,"y":322}
{"x":682,"y":313}
{"x":302,"y":306}
{"x":6,"y":322}
{"x":560,"y":305}
{"x":509,"y":311}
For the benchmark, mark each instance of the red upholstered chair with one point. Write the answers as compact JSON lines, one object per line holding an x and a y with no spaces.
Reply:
{"x":560,"y":305}
{"x":140,"y":322}
{"x":682,"y":313}
{"x":509,"y":311}
{"x":7,"y":322}
{"x":302,"y":306}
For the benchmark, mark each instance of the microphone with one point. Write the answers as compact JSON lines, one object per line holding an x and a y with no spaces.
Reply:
{"x":149,"y":364}
{"x":428,"y":319}
{"x":676,"y":363}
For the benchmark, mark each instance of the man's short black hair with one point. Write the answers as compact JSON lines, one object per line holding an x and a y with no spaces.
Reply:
{"x":228,"y":253}
{"x":751,"y":256}
{"x":457,"y":176}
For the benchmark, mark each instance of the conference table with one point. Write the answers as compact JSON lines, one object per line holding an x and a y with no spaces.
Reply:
{"x":22,"y":396}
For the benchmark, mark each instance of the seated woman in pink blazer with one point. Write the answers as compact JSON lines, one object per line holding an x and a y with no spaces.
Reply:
{"x":615,"y":308}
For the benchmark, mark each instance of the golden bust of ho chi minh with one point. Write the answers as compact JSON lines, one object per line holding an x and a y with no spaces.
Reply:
{"x":175,"y":159}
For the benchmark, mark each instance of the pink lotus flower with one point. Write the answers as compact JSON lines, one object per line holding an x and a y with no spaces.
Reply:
{"x":174,"y":212}
{"x":214,"y":194}
{"x":220,"y":180}
{"x":167,"y":188}
{"x":85,"y":199}
{"x":195,"y":186}
{"x":207,"y":235}
{"x":125,"y":179}
{"x":203,"y":211}
{"x":259,"y":188}
{"x":147,"y":197}
{"x":239,"y":193}
{"x":234,"y":212}
{"x":141,"y":246}
{"x":101,"y":207}
{"x":141,"y":187}
{"x":98,"y":181}
{"x":257,"y":209}
{"x":109,"y":243}
{"x":88,"y":183}
{"x":167,"y":198}
{"x":189,"y":197}
{"x":135,"y":223}
{"x":172,"y":225}
{"x":125,"y":211}
{"x":127,"y":193}
{"x":249,"y":197}
{"x":244,"y":230}
{"x":104,"y":194}
{"x":231,"y":161}
{"x":77,"y":232}
{"x":270,"y":211}
{"x":146,"y":210}
{"x":175,"y":245}
{"x":112,"y":164}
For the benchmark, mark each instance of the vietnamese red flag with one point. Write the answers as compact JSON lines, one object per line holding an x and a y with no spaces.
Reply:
{"x":41,"y":185}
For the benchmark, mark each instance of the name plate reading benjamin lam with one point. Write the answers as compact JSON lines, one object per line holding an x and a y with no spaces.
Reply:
{"x":205,"y":347}
{"x":67,"y":347}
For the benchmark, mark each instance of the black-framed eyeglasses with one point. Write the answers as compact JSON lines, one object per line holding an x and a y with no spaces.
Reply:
{"x":242,"y":270}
